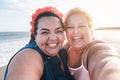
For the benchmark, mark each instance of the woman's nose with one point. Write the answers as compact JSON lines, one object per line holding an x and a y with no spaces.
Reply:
{"x":76,"y":30}
{"x":52,"y":37}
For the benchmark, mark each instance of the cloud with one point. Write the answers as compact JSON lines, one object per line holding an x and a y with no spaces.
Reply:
{"x":21,"y":5}
{"x":31,"y":5}
{"x":18,"y":12}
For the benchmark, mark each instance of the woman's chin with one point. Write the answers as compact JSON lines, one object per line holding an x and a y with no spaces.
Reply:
{"x":52,"y":52}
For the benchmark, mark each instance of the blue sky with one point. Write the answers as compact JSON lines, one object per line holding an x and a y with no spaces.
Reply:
{"x":15,"y":15}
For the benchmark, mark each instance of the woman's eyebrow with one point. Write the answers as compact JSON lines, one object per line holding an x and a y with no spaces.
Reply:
{"x":48,"y":29}
{"x":59,"y":28}
{"x":44,"y":29}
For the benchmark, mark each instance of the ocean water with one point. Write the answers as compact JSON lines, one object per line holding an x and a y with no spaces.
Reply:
{"x":112,"y":36}
{"x":11,"y":42}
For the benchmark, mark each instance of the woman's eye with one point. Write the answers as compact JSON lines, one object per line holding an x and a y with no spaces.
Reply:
{"x":59,"y":31}
{"x":81,"y":26}
{"x":69,"y":27}
{"x":44,"y":32}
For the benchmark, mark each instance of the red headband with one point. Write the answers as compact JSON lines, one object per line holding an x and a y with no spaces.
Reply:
{"x":41,"y":10}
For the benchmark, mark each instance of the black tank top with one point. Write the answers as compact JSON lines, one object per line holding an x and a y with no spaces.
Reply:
{"x":52,"y":65}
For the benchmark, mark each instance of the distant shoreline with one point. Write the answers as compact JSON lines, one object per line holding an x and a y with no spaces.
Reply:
{"x":108,"y":28}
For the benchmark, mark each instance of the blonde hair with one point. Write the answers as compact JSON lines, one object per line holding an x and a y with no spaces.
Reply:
{"x":78,"y":10}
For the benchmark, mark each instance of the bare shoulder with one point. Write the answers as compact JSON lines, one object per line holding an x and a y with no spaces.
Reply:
{"x":100,"y":51}
{"x":103,"y":49}
{"x":66,"y":46}
{"x":27,"y":64}
{"x":103,"y":62}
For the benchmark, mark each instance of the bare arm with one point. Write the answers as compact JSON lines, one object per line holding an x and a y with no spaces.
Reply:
{"x":104,"y":63}
{"x":27,"y":65}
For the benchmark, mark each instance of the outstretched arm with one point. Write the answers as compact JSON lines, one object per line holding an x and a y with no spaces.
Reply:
{"x":104,"y":63}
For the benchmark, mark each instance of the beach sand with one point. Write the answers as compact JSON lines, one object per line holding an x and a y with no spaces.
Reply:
{"x":2,"y":69}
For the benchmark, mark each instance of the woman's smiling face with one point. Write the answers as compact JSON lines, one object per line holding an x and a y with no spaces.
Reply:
{"x":50,"y":35}
{"x":77,"y":31}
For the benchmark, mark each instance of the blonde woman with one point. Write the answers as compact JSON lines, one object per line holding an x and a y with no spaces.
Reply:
{"x":88,"y":57}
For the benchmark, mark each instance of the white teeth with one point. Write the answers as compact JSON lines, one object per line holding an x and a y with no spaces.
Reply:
{"x":52,"y":45}
{"x":76,"y":38}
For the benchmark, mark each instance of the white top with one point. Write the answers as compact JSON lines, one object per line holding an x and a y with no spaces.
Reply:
{"x":80,"y":73}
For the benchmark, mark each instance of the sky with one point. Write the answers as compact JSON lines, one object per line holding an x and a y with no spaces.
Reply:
{"x":15,"y":15}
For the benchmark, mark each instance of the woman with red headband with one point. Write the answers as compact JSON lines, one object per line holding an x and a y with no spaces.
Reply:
{"x":39,"y":59}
